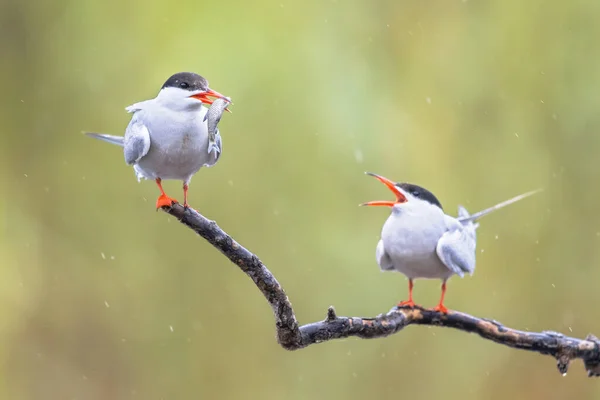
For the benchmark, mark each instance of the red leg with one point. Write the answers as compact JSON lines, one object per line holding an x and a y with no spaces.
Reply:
{"x":441,"y":307}
{"x":163,"y":199}
{"x":185,"y":195}
{"x":409,"y":302}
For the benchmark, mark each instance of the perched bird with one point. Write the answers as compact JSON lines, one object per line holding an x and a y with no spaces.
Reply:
{"x":421,"y":241}
{"x":167,"y":137}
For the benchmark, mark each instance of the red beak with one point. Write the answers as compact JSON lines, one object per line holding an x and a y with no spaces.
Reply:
{"x":400,"y":198}
{"x":203,"y":97}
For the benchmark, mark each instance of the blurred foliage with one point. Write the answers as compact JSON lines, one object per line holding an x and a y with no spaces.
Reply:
{"x":103,"y":298}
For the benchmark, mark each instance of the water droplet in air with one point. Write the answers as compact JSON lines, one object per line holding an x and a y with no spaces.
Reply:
{"x":358,"y":156}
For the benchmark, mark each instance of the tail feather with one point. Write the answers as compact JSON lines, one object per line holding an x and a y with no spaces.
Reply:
{"x":464,"y":217}
{"x":118,"y":140}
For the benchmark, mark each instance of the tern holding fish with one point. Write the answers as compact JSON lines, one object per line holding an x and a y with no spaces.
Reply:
{"x":168,"y":137}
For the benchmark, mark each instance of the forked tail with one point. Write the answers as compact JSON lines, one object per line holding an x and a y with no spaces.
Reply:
{"x":464,"y":217}
{"x":118,"y":140}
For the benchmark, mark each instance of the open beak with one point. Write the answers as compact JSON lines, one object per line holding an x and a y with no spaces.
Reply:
{"x":203,"y":97}
{"x":400,"y":198}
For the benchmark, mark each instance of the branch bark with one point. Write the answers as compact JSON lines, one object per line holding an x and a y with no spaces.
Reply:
{"x":291,"y":336}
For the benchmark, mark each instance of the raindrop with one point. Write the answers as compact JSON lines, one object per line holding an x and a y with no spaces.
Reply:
{"x":358,"y":156}
{"x":171,"y":328}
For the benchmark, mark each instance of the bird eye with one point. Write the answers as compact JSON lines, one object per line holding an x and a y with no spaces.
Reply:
{"x":416,"y":193}
{"x":184,"y":85}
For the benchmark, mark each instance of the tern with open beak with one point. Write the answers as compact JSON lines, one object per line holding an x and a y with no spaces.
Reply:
{"x":422,"y":242}
{"x":167,"y":137}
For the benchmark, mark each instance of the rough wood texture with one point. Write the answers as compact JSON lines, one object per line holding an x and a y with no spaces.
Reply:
{"x":291,"y":336}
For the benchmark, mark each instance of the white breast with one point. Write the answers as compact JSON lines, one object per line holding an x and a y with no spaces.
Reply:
{"x":178,"y":143}
{"x":410,"y":236}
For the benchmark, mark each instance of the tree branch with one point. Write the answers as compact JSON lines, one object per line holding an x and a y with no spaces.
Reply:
{"x":291,"y":336}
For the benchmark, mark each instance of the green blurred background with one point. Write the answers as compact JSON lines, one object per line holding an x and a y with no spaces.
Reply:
{"x":103,"y":298}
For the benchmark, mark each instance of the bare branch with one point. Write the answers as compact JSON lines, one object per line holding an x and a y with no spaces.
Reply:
{"x":291,"y":336}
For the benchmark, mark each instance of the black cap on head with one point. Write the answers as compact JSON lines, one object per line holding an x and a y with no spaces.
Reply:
{"x":420,"y":193}
{"x":187,"y":81}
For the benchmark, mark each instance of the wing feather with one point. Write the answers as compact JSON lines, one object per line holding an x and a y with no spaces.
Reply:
{"x":383,"y":259}
{"x":456,"y":250}
{"x":137,"y":141}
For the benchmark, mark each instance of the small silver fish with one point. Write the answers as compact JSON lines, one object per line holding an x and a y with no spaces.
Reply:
{"x":214,"y":113}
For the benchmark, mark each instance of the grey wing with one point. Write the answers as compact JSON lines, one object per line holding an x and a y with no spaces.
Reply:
{"x":216,"y":151}
{"x":456,"y":250}
{"x":137,"y":141}
{"x":383,"y":259}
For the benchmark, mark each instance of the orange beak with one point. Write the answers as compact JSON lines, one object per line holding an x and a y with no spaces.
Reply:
{"x":203,"y":97}
{"x":400,"y":198}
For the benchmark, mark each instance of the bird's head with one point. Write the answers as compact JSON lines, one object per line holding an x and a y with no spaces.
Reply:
{"x":187,"y":90}
{"x":406,"y":194}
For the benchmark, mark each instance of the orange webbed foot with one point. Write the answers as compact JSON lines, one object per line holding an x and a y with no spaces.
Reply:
{"x":441,"y":309}
{"x":407,"y":303}
{"x":164,"y":201}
